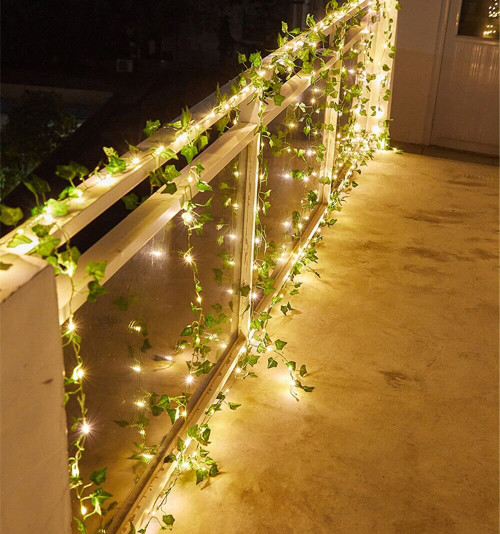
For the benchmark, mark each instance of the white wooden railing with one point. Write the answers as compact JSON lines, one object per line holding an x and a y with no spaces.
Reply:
{"x":34,"y":303}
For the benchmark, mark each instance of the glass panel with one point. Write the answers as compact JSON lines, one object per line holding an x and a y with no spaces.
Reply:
{"x":130,"y":336}
{"x":479,"y":18}
{"x":290,"y":170}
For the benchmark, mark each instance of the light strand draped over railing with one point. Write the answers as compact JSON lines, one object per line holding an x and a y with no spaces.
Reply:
{"x":343,"y":65}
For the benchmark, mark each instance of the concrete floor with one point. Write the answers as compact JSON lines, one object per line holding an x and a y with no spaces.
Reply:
{"x":400,"y":337}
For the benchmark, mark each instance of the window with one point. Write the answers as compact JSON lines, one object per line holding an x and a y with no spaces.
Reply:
{"x":479,"y":18}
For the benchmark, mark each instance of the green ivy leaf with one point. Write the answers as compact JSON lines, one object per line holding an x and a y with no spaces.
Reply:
{"x":170,"y":173}
{"x":202,"y":142}
{"x":110,"y":152}
{"x":303,"y":370}
{"x":169,"y":189}
{"x":95,"y":291}
{"x":204,"y":368}
{"x":167,"y":522}
{"x":245,"y":290}
{"x":18,"y":239}
{"x":201,"y":475}
{"x":46,"y":246}
{"x":37,"y":185}
{"x":96,"y":269}
{"x":5,"y":266}
{"x":280,"y":344}
{"x":189,"y":152}
{"x":57,"y":208}
{"x":98,"y":476}
{"x":80,"y":526}
{"x":10,"y":216}
{"x":122,"y":423}
{"x":278,"y":99}
{"x":271,"y":362}
{"x":98,"y":497}
{"x":116,"y":165}
{"x":187,"y":331}
{"x":131,"y":201}
{"x":151,"y":127}
{"x":233,"y":405}
{"x":203,"y":186}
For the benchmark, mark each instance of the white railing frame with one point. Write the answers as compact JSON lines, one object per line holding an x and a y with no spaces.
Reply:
{"x":130,"y":235}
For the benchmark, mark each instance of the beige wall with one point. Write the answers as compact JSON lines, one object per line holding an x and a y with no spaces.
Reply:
{"x":418,"y":36}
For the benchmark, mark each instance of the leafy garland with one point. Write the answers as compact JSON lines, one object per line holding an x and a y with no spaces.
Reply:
{"x":345,"y":90}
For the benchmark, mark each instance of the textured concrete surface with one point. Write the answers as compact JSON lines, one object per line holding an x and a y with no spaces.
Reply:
{"x":400,"y":335}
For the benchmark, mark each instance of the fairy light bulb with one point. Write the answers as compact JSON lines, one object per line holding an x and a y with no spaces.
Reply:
{"x":189,"y":379}
{"x":188,"y":258}
{"x":136,"y":368}
{"x":83,"y":510}
{"x":140,"y":404}
{"x":85,"y":428}
{"x":187,"y":217}
{"x":135,"y":160}
{"x":159,"y":150}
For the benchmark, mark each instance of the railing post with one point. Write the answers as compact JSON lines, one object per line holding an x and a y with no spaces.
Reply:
{"x":251,"y":177}
{"x":393,"y":13}
{"x":330,"y":136}
{"x":381,"y":57}
{"x":33,"y":441}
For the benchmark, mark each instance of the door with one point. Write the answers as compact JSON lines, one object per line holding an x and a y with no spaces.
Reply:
{"x":466,"y":113}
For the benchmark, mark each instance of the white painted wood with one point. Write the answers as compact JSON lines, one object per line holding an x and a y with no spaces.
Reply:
{"x":33,"y":444}
{"x":130,"y":235}
{"x":248,"y":237}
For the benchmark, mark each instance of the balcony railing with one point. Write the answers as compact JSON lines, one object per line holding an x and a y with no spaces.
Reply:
{"x":273,"y":174}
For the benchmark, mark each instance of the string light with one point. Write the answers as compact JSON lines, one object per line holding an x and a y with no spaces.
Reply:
{"x":85,"y":428}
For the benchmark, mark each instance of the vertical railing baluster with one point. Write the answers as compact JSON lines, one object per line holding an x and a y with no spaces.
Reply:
{"x":249,"y":205}
{"x":330,"y":136}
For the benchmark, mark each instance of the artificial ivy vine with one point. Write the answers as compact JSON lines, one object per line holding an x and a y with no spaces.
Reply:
{"x":347,"y":91}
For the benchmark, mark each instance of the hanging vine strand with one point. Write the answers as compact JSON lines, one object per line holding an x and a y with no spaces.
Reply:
{"x":350,"y":98}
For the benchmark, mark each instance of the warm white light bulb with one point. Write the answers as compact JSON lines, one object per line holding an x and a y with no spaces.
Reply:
{"x":188,"y":258}
{"x":85,"y":428}
{"x":136,"y":368}
{"x":189,"y":379}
